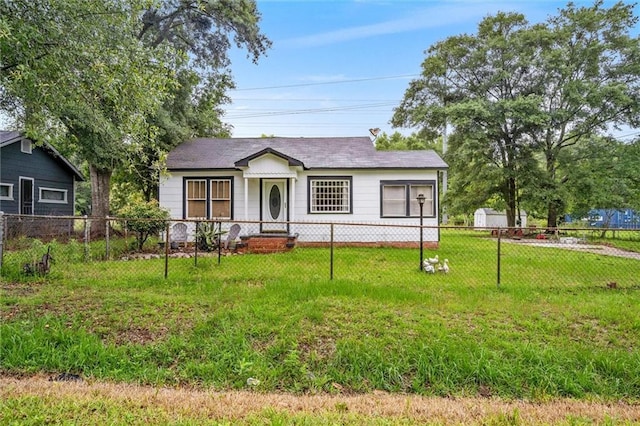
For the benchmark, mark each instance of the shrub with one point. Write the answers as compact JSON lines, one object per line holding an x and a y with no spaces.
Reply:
{"x":145,"y":219}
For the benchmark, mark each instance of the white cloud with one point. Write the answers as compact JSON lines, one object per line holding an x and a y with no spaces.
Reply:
{"x":433,"y":17}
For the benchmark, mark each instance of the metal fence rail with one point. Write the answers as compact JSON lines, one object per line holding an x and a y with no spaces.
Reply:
{"x":566,"y":256}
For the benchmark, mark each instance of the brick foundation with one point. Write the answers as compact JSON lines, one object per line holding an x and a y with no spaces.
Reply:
{"x":268,"y":243}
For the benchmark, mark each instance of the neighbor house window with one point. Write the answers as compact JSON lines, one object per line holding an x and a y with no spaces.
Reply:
{"x":53,"y":195}
{"x":330,"y":194}
{"x":6,"y":191}
{"x":208,"y":198}
{"x":398,"y":198}
{"x":25,"y":146}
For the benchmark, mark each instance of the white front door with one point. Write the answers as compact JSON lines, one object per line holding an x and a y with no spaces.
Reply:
{"x":274,"y":205}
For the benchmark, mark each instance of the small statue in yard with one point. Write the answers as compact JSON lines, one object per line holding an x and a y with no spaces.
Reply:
{"x":39,"y":268}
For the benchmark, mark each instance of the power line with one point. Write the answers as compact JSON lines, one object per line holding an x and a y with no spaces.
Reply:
{"x":314,"y":100}
{"x":309,"y":111}
{"x":358,"y":80}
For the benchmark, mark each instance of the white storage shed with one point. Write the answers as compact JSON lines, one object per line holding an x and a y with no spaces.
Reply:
{"x":490,"y":218}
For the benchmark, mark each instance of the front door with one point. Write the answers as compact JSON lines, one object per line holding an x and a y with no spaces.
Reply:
{"x":26,"y":195}
{"x":274,"y":205}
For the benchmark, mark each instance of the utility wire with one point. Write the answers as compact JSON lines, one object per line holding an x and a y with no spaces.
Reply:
{"x":314,"y":100}
{"x":326,"y":82}
{"x":308,"y":111}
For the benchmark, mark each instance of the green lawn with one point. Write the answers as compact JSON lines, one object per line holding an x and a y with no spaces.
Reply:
{"x":553,"y":328}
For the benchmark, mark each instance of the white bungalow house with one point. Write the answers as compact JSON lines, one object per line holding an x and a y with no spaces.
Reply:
{"x":286,"y":183}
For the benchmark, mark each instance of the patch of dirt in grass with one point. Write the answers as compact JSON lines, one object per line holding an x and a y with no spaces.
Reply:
{"x":20,"y":288}
{"x":16,"y":289}
{"x":115,"y":324}
{"x":239,"y":405}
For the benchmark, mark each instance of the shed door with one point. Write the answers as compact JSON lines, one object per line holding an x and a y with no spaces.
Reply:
{"x":26,"y":195}
{"x":274,"y":205}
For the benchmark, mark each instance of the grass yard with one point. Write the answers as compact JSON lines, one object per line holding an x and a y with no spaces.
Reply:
{"x":276,"y":323}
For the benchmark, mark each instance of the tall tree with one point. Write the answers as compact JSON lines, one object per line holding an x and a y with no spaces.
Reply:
{"x":77,"y":75}
{"x":399,"y":142}
{"x":98,"y":74}
{"x":484,"y":86}
{"x":518,"y":94}
{"x":191,"y":111}
{"x":203,"y":31}
{"x":603,"y":174}
{"x":591,"y":68}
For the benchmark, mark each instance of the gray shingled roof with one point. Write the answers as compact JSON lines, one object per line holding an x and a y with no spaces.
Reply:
{"x":314,"y":153}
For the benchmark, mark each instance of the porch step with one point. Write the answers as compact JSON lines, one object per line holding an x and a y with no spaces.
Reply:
{"x":268,"y":243}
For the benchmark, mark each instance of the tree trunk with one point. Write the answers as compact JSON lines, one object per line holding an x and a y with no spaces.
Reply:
{"x":100,"y":190}
{"x":553,"y":203}
{"x":510,"y":198}
{"x":552,"y":215}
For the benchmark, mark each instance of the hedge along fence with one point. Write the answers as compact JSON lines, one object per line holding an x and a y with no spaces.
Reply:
{"x":326,"y":250}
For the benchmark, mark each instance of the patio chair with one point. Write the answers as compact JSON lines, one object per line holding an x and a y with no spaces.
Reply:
{"x":179,"y":234}
{"x":234,"y":231}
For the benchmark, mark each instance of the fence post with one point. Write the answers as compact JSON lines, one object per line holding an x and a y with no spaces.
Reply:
{"x":1,"y":239}
{"x":498,"y":262}
{"x":106,"y":236}
{"x":126,"y":236}
{"x":195,"y":248}
{"x":331,"y":254}
{"x":219,"y":238}
{"x":166,"y":251}
{"x":86,"y":238}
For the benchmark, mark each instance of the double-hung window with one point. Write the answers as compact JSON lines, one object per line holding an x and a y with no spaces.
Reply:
{"x":399,"y":198}
{"x":220,"y":198}
{"x":331,"y":194}
{"x":208,"y":198}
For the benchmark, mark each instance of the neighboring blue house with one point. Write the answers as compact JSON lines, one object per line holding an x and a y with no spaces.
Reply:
{"x":35,"y":179}
{"x":612,"y":218}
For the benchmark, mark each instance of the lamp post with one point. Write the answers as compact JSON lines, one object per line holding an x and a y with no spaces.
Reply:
{"x":420,"y":199}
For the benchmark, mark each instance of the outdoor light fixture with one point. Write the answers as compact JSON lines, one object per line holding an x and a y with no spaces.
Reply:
{"x":421,"y":200}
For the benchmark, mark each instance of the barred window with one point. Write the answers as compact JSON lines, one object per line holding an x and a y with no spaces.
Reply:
{"x":330,"y":195}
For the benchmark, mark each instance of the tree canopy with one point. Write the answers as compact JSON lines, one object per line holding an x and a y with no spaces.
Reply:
{"x":518,"y":94}
{"x":118,"y":81}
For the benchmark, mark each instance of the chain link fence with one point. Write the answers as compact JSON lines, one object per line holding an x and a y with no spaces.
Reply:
{"x":243,"y":251}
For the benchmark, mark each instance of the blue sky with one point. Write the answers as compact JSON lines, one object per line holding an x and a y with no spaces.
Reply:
{"x":339,"y":67}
